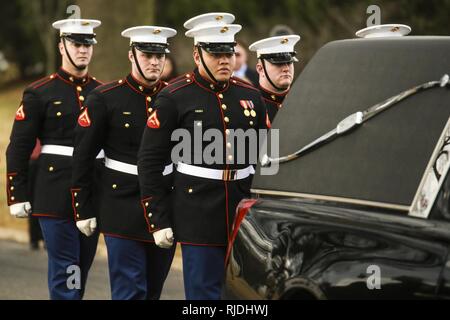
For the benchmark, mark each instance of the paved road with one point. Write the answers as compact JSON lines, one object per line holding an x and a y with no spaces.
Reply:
{"x":23,"y":275}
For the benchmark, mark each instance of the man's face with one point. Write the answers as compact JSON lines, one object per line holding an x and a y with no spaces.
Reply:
{"x":241,"y":57}
{"x":281,"y":75}
{"x":221,"y":65}
{"x":81,"y":54}
{"x":151,"y":64}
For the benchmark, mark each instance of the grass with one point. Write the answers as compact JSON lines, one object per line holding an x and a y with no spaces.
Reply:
{"x":10,"y":98}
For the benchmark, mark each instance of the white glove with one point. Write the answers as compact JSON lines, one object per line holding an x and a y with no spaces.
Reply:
{"x":88,"y":226}
{"x":20,"y":210}
{"x":163,"y":238}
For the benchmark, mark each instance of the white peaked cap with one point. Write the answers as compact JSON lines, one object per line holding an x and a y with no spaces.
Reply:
{"x":278,"y":44}
{"x":214,"y":34}
{"x":209,"y":20}
{"x":384,"y":31}
{"x":80,"y":26}
{"x":149,"y":34}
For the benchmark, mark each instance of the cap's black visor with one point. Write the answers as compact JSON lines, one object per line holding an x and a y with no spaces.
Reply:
{"x":280,"y":58}
{"x":227,"y":47}
{"x":149,"y":47}
{"x":80,"y":38}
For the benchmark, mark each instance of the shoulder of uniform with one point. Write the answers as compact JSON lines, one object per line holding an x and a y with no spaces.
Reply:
{"x":96,"y":80}
{"x":42,"y":82}
{"x":242,"y":83}
{"x":182,"y":82}
{"x":163,"y":85}
{"x":184,"y":76}
{"x":103,"y":88}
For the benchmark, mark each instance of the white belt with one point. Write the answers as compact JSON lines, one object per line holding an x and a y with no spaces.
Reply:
{"x":216,"y":174}
{"x":64,"y":150}
{"x":131,"y":168}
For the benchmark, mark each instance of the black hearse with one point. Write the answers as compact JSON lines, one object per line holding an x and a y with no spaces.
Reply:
{"x":359,"y":208}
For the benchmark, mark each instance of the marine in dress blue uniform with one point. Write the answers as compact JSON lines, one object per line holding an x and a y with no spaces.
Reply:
{"x":113,"y":119}
{"x":276,"y":57}
{"x":49,"y":111}
{"x":205,"y":194}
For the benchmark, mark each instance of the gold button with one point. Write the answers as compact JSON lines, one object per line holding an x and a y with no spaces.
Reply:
{"x":150,"y":215}
{"x":120,"y":81}
{"x":58,"y":114}
{"x":226,"y":119}
{"x":11,"y":188}
{"x":154,"y":89}
{"x":188,"y":75}
{"x":253,"y":113}
{"x":190,"y":190}
{"x":149,"y":99}
{"x":247,"y":113}
{"x":94,"y":78}
{"x":146,"y":204}
{"x":52,"y":76}
{"x":81,"y":98}
{"x":230,"y":157}
{"x":150,"y":110}
{"x":234,"y":81}
{"x":152,"y":226}
{"x":229,"y":145}
{"x":79,"y":89}
{"x":273,"y":97}
{"x":71,"y":79}
{"x":141,"y":88}
{"x":10,"y":177}
{"x":75,"y":194}
{"x":220,"y":96}
{"x":12,"y":198}
{"x":114,"y":186}
{"x":188,"y":80}
{"x":211,"y":86}
{"x":251,"y":123}
{"x":50,"y":169}
{"x":224,"y":107}
{"x":127,"y":125}
{"x":227,"y":132}
{"x":78,"y":215}
{"x":77,"y":204}
{"x":84,"y":80}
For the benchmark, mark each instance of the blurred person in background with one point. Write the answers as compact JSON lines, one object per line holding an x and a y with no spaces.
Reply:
{"x":241,"y":69}
{"x":170,"y":70}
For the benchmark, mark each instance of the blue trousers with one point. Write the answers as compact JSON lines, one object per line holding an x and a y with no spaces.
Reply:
{"x":67,"y":248}
{"x":203,"y":271}
{"x":137,"y":269}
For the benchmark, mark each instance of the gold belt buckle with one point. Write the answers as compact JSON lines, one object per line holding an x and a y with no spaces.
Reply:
{"x":229,"y":175}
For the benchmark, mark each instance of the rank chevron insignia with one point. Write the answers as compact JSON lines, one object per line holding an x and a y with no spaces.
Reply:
{"x":84,"y":120}
{"x":20,"y":114}
{"x":153,"y":121}
{"x":268,"y":123}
